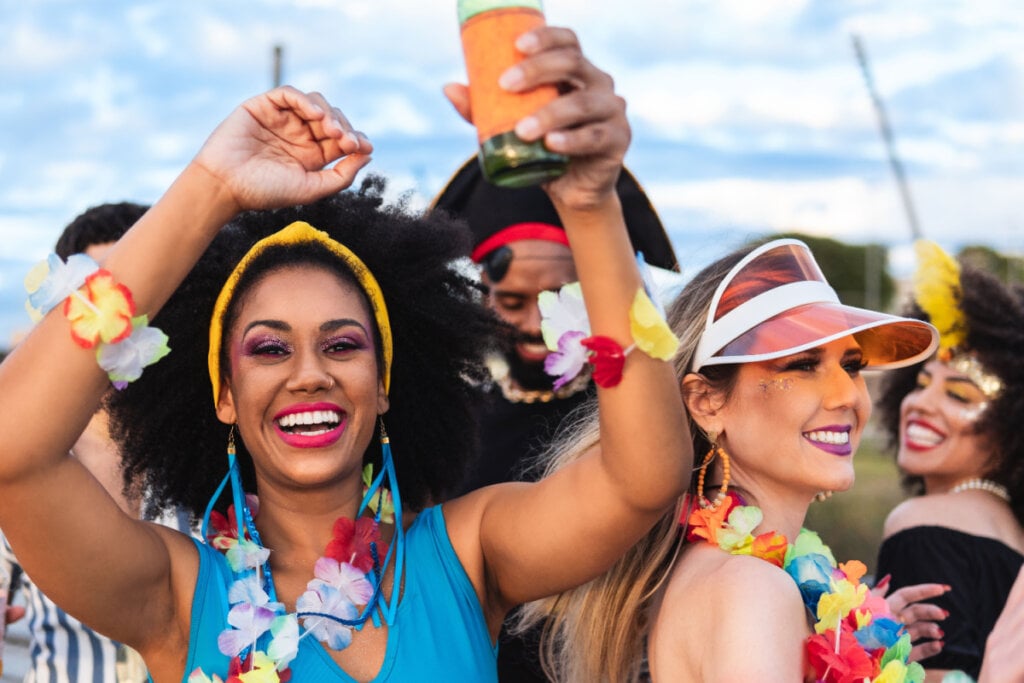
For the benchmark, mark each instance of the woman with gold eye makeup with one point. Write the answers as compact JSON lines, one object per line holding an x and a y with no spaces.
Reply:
{"x":955,"y":423}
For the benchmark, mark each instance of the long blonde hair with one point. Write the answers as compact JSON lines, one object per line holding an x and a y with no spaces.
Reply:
{"x":597,"y":632}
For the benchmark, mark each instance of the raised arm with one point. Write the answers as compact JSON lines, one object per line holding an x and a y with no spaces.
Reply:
{"x":538,"y":539}
{"x":121,"y":576}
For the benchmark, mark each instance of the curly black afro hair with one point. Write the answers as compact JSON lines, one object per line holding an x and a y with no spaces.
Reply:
{"x":98,"y":225}
{"x":171,"y":441}
{"x":995,"y":322}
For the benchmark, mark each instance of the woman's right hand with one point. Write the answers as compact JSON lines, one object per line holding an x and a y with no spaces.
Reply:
{"x":920,"y":618}
{"x":273,"y":149}
{"x":587,"y":122}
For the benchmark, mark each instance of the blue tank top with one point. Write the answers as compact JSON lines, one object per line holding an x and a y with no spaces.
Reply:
{"x":439,"y":632}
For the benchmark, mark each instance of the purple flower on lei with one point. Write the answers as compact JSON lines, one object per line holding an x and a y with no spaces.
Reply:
{"x":342,"y":576}
{"x":248,"y":622}
{"x":326,"y":599}
{"x":568,"y":360}
{"x":564,"y":324}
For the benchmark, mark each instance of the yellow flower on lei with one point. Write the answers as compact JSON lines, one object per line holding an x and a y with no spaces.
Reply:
{"x":833,"y":607}
{"x":893,"y":672}
{"x":736,"y":536}
{"x":101,"y":311}
{"x":264,"y":670}
{"x":651,"y":333}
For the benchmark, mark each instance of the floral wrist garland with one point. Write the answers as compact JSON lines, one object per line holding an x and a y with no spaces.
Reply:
{"x":262,"y":639}
{"x":855,"y":638}
{"x":101,"y":312}
{"x":566,"y":331}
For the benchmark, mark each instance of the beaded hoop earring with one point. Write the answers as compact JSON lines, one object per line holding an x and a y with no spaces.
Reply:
{"x":708,"y":458}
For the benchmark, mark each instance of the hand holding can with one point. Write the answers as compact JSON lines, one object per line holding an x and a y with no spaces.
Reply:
{"x":489,"y":29}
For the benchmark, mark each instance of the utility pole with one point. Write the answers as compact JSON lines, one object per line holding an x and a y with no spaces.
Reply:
{"x":278,"y":51}
{"x":887,"y":136}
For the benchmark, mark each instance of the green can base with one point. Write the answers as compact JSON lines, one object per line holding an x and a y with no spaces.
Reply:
{"x":507,"y":161}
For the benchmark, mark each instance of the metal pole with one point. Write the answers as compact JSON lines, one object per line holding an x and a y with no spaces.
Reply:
{"x":278,"y":50}
{"x":887,"y":136}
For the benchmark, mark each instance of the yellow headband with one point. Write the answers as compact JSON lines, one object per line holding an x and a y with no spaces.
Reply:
{"x":297,"y":233}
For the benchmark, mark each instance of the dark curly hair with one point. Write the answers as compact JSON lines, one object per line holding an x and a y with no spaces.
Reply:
{"x":171,"y":441}
{"x":995,"y":332}
{"x":98,"y":225}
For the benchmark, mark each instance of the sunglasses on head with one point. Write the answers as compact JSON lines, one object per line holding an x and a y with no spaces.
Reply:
{"x":496,"y":263}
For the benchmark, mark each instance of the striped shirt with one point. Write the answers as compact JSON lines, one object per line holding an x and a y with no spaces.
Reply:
{"x":63,"y":649}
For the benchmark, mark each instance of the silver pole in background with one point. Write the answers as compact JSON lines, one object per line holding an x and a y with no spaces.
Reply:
{"x":887,"y":136}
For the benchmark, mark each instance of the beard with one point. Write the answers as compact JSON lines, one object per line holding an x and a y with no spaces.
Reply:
{"x":526,"y":374}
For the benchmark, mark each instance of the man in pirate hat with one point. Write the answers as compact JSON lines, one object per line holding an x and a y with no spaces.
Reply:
{"x":522,"y":250}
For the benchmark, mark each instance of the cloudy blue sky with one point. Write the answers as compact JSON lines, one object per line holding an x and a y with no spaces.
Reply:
{"x":749,"y":116}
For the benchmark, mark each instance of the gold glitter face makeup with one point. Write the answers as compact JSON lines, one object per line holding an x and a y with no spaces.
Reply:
{"x":960,"y":391}
{"x":777,"y":384}
{"x":939,"y":426}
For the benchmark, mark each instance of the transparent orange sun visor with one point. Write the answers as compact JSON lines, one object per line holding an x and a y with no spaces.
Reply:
{"x":776,"y":302}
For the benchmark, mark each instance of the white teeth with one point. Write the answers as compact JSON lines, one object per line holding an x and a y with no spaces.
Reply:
{"x":925,"y":436}
{"x":312,"y":417}
{"x":829,"y":437}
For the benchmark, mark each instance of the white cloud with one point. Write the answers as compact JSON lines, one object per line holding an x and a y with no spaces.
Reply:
{"x":394,"y":113}
{"x":107,"y":98}
{"x":106,"y":101}
{"x":28,"y":47}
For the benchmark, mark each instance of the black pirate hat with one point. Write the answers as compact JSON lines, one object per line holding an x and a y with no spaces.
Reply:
{"x":490,"y":210}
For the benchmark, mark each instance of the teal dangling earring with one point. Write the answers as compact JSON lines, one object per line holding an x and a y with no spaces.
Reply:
{"x":375,"y":494}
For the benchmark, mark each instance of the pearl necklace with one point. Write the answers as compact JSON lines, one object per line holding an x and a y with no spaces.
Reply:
{"x":980,"y":484}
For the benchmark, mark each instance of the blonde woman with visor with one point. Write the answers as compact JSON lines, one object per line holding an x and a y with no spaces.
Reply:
{"x":729,"y":587}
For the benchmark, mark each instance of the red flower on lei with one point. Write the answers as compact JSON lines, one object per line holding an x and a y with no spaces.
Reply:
{"x":223,"y":534}
{"x":351,"y":540}
{"x":608,"y":359}
{"x":851,"y":664}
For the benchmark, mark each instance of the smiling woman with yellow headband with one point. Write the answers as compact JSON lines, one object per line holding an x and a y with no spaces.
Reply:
{"x":342,"y":347}
{"x":954,"y":422}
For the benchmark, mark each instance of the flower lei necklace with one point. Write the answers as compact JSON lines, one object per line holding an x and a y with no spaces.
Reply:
{"x":262,"y":639}
{"x":856,"y":638}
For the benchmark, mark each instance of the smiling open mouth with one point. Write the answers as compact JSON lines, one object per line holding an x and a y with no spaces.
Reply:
{"x":829,"y":437}
{"x":921,"y":436}
{"x":835,"y":440}
{"x":311,"y":423}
